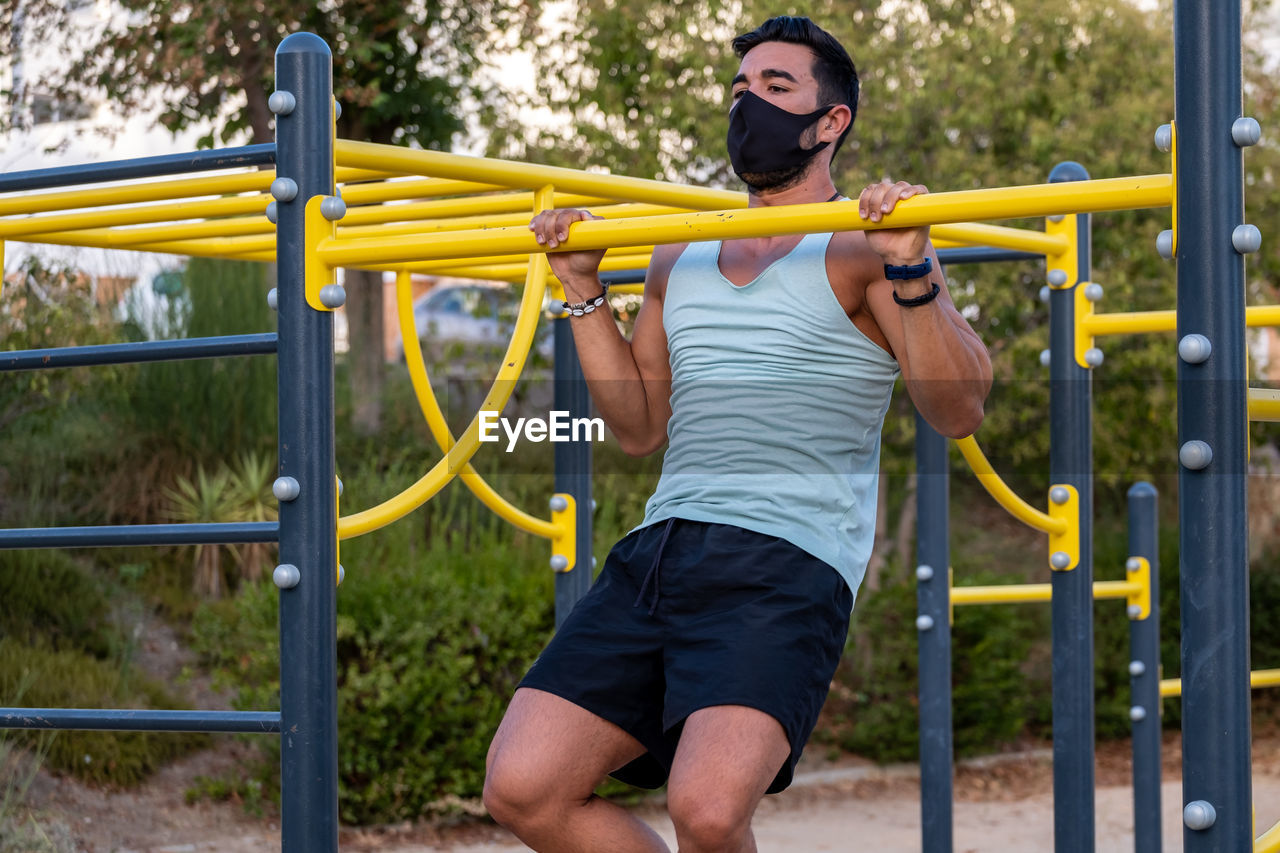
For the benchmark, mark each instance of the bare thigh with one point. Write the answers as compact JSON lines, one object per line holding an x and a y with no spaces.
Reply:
{"x":551,"y":745}
{"x":727,"y":758}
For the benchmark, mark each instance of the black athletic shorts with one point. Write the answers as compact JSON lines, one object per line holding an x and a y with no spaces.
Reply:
{"x":687,"y":615}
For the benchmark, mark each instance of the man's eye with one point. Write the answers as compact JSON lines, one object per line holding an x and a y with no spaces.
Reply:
{"x":738,"y":94}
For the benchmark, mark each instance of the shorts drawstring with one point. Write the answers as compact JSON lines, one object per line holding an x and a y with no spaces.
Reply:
{"x":653,"y":573}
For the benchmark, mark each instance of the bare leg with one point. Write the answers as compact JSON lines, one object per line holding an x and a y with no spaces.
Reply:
{"x":728,"y":756}
{"x":545,"y":761}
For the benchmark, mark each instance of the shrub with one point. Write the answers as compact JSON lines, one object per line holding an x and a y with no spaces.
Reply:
{"x":49,"y":678}
{"x":432,"y":639}
{"x":48,"y":596}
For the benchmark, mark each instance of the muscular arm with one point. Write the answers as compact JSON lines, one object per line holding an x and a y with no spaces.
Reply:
{"x":944,"y":363}
{"x":629,"y":381}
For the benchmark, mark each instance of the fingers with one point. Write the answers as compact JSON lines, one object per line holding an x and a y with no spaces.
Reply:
{"x":878,"y":200}
{"x":551,"y":227}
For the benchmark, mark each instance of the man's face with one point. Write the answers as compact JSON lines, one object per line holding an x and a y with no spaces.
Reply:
{"x":782,"y":74}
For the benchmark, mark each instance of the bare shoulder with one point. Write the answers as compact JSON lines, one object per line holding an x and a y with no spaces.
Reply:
{"x":660,"y":265}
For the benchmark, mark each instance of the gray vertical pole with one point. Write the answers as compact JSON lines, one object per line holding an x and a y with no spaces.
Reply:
{"x":1212,"y":429}
{"x":1071,"y":463}
{"x":573,"y":466}
{"x":308,"y":668}
{"x":933,"y":559}
{"x":1144,"y":675}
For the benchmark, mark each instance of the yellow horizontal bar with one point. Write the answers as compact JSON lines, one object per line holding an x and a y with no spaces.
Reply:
{"x":440,"y":164}
{"x":137,"y":193}
{"x":1258,"y":678}
{"x":515,"y":272}
{"x":1264,"y":404}
{"x":1135,"y":322}
{"x":413,"y":188}
{"x":1006,"y":202}
{"x":1000,"y":237}
{"x":613,"y":211}
{"x":1003,"y":495}
{"x":34,"y":226}
{"x":484,"y":205}
{"x":1032,"y":592}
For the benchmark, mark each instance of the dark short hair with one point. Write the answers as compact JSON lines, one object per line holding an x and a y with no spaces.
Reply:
{"x":832,"y":66}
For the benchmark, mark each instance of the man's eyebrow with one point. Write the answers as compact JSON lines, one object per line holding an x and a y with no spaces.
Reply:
{"x":768,"y":74}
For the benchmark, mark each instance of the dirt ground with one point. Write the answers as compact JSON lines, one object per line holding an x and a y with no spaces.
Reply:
{"x":1001,"y":804}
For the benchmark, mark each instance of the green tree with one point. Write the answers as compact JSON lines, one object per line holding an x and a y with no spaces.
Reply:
{"x":957,"y":94}
{"x":403,"y":73}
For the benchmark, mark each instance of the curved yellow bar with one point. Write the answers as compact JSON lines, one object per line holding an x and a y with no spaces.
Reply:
{"x":1004,"y":495}
{"x":459,"y":454}
{"x":440,"y":428}
{"x":1269,"y":841}
{"x":934,"y":209}
{"x":137,"y":192}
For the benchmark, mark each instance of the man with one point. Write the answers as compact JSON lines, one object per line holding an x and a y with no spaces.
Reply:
{"x":704,"y":651}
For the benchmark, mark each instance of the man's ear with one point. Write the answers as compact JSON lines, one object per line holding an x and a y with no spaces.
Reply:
{"x":833,"y":124}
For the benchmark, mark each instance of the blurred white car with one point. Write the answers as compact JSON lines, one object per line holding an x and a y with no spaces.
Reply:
{"x":455,"y":319}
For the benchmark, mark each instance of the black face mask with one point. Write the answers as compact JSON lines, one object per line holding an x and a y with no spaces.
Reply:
{"x":765,"y":138}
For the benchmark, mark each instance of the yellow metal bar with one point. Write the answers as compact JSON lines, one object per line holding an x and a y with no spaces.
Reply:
{"x":998,"y":236}
{"x":413,"y":188}
{"x":1021,"y":593}
{"x":1084,"y":310}
{"x":1003,"y":495}
{"x":1258,"y":678}
{"x":1135,"y":322}
{"x":440,"y":164}
{"x":112,"y":217}
{"x":1269,"y":841}
{"x":1008,"y":202}
{"x":1264,"y":404}
{"x":612,"y":211}
{"x":439,"y":426}
{"x":460,"y":453}
{"x":515,"y":272}
{"x":621,"y":259}
{"x":137,"y":193}
{"x":485,"y":205}
{"x":123,"y":238}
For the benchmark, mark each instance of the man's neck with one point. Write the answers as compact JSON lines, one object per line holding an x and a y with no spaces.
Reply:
{"x":815,"y":187}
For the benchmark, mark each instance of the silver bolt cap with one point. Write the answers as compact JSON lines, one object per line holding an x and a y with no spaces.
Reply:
{"x":1060,"y":560}
{"x":273,"y":299}
{"x":333,"y":208}
{"x":286,"y":576}
{"x":284,"y":189}
{"x":1094,"y":357}
{"x":273,"y":213}
{"x":1164,"y":138}
{"x":1246,"y":239}
{"x":1194,"y":349}
{"x":1195,"y":454}
{"x":282,"y":103}
{"x":924,"y":623}
{"x":286,"y":489}
{"x":1132,"y":564}
{"x":1164,"y":245}
{"x":1137,"y":713}
{"x":1199,"y":814}
{"x":924,"y":573}
{"x":1246,"y":131}
{"x":1059,"y":495}
{"x":558,"y":503}
{"x":559,"y":562}
{"x":1046,"y":357}
{"x":1093,"y":292}
{"x":333,"y":296}
{"x":1137,"y":667}
{"x":1045,"y":292}
{"x":1057,"y":277}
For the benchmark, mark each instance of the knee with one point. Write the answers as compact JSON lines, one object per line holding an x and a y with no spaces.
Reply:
{"x":708,"y":821}
{"x":516,"y":799}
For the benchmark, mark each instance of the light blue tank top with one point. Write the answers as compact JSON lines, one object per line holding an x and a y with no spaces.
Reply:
{"x":777,"y":402}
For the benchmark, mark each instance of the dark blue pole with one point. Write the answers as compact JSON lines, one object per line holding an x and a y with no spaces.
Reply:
{"x":308,"y":668}
{"x":573,"y":467}
{"x":1144,"y":671}
{"x":139,"y":720}
{"x":1071,"y":463}
{"x":1212,"y":428}
{"x":933,"y":559}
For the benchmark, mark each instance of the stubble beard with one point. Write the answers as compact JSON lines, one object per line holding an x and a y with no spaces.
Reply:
{"x":779,"y":180}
